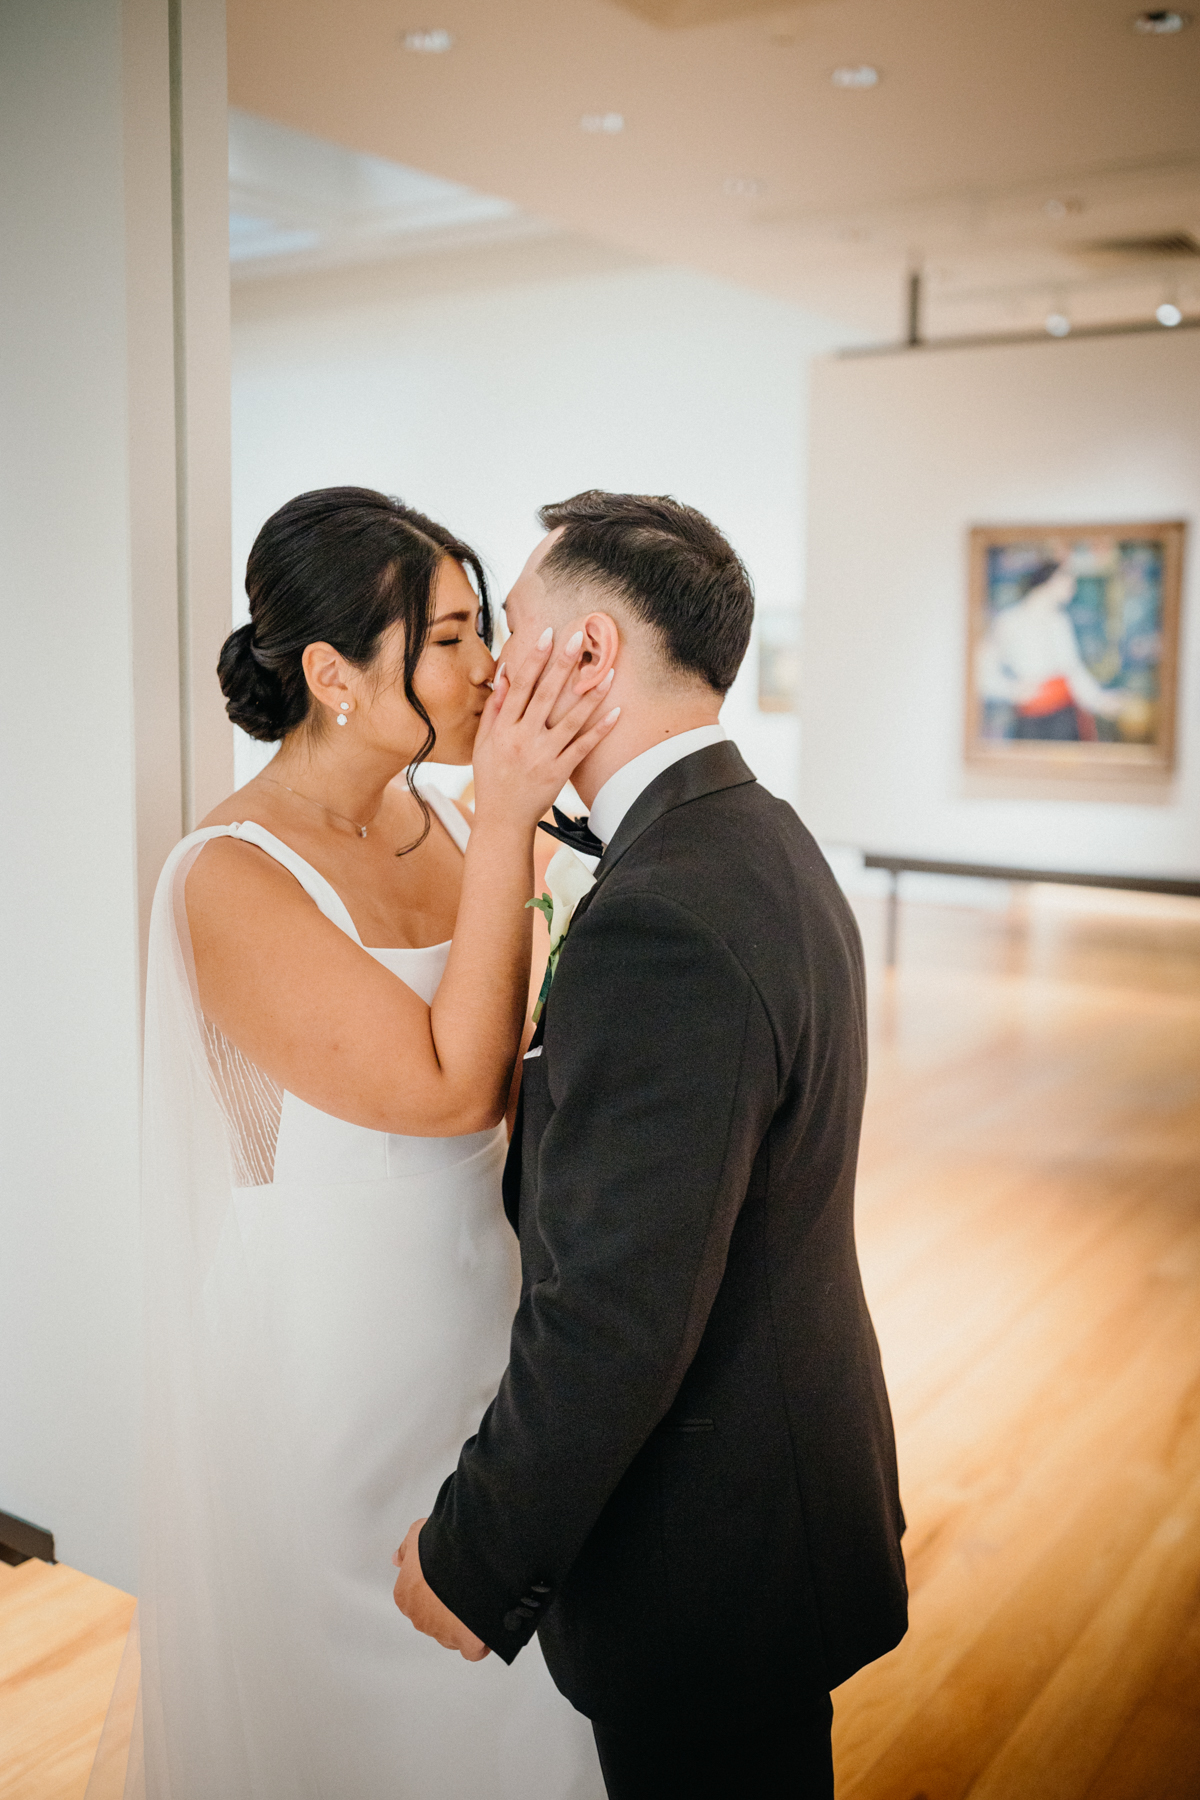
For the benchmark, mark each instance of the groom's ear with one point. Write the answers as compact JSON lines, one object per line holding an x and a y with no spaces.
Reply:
{"x":601,"y":641}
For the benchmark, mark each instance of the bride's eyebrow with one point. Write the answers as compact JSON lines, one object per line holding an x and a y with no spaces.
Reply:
{"x":460,"y":618}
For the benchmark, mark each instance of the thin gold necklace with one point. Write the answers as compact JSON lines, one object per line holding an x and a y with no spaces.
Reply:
{"x":361,"y":829}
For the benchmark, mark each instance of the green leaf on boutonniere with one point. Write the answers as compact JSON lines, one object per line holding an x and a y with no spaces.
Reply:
{"x":545,"y":905}
{"x":547,"y":978}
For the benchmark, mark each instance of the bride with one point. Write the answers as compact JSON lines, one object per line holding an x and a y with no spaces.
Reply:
{"x":337,"y":989}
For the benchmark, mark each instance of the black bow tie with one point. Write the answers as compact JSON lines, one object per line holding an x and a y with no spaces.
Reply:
{"x":573,"y":832}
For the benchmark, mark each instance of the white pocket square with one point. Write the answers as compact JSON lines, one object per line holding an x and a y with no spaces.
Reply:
{"x":530,"y":1054}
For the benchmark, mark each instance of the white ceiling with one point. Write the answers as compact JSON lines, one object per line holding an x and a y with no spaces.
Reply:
{"x":296,"y":201}
{"x":1000,"y":145}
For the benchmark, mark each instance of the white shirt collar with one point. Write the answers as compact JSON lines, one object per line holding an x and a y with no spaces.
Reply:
{"x":634,"y":777}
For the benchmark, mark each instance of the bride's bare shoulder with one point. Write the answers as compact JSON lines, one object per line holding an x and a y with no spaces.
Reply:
{"x":230,"y":874}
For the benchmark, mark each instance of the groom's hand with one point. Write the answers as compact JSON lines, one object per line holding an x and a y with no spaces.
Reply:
{"x":421,"y":1606}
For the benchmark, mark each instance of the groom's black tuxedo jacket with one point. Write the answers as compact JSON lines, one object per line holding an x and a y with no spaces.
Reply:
{"x":687,"y":1481}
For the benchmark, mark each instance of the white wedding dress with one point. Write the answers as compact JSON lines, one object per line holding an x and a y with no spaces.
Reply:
{"x":328,"y":1317}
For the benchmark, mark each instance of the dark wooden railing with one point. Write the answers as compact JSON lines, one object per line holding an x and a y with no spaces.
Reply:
{"x":1186,"y":886}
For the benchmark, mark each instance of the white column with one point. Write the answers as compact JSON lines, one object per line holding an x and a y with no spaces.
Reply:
{"x":201,"y":186}
{"x":152,"y":494}
{"x":110,"y":719}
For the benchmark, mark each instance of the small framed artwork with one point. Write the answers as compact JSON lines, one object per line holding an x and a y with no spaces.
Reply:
{"x":778,"y":659}
{"x":1073,"y":645}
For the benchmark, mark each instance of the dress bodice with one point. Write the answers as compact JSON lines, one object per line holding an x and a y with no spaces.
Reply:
{"x":314,"y":1146}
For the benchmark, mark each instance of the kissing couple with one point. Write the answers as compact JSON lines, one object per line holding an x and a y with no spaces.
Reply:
{"x":610,"y":1386}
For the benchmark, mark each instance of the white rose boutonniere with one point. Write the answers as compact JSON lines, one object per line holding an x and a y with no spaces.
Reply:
{"x":568,"y":878}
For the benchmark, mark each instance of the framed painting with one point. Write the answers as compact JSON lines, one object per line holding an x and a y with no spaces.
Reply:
{"x":1072,"y":662}
{"x":778,"y":659}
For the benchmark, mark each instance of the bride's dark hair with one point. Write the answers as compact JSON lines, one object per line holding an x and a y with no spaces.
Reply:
{"x":335,"y":566}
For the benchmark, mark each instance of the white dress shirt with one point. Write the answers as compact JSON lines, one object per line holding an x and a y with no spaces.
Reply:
{"x":634,"y":777}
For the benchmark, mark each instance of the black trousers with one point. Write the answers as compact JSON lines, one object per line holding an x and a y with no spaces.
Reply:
{"x":785,"y":1757}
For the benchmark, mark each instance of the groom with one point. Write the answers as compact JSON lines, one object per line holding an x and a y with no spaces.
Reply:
{"x":686,"y":1484}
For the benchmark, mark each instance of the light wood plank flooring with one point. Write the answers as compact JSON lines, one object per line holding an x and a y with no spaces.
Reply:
{"x":61,"y":1639}
{"x":1029,"y":1224}
{"x":1030,"y":1232}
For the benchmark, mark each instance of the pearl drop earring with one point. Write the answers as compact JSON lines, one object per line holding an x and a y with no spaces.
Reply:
{"x":345,"y":708}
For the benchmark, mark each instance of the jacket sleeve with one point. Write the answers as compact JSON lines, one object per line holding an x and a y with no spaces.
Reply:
{"x":663,"y":1077}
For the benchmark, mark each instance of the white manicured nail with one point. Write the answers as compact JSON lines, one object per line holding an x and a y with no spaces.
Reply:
{"x":574,"y":643}
{"x":499,"y":673}
{"x":614,"y":714}
{"x":608,"y":679}
{"x":546,"y":639}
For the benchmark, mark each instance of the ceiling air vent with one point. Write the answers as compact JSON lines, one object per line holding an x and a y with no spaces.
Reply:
{"x":1163,"y":243}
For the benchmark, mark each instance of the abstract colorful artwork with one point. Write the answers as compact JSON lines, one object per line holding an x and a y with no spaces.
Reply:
{"x":1073,"y":647}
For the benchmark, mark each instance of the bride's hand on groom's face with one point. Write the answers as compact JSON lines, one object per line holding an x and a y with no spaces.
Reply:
{"x":522,"y":762}
{"x":421,"y":1606}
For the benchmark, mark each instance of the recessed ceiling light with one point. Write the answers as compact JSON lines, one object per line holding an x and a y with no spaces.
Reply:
{"x":1168,"y":314}
{"x":1059,"y":209}
{"x":863,"y":76}
{"x":743,"y":187}
{"x":1058,"y":324}
{"x":609,"y":123}
{"x":428,"y":43}
{"x":1160,"y":24}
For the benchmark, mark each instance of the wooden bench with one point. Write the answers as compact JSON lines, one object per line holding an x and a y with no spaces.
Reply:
{"x":895,"y":866}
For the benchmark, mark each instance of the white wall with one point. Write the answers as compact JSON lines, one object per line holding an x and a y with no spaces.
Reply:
{"x":90,"y":739}
{"x":906,"y":452}
{"x":482,"y":386}
{"x":68,"y":1080}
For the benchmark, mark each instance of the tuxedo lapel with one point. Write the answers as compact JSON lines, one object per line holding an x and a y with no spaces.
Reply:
{"x":705,"y":771}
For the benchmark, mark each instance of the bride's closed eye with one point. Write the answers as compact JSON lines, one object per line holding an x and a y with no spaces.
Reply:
{"x":460,"y":618}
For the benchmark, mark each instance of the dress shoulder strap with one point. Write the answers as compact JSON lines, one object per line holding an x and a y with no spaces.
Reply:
{"x":320,"y":891}
{"x":449,"y":815}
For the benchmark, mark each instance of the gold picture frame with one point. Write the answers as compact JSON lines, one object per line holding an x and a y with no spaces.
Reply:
{"x":1073,"y":648}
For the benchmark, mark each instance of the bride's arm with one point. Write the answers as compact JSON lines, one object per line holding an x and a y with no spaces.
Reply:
{"x":482,"y":999}
{"x":328,"y":1022}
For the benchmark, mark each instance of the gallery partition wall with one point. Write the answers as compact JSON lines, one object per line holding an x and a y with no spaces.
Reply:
{"x":1085,"y":453}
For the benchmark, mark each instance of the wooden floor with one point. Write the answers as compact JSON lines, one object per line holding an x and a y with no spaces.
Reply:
{"x":61,"y":1639}
{"x":1029,"y":1226}
{"x":1030,"y":1234}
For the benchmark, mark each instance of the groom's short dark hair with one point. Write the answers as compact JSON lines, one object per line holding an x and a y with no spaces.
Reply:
{"x":671,"y":567}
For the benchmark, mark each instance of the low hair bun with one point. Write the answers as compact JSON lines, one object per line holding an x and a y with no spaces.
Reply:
{"x":255,"y":697}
